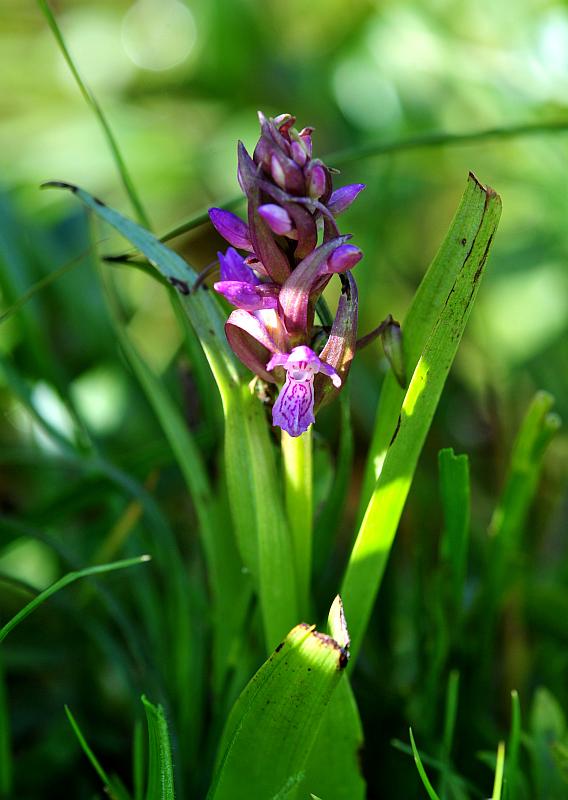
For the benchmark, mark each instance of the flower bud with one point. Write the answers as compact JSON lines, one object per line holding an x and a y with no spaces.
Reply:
{"x":316,"y":181}
{"x":287,"y":174}
{"x":298,"y":153}
{"x":343,"y":258}
{"x":231,"y":228}
{"x":277,"y":217}
{"x":343,"y":197}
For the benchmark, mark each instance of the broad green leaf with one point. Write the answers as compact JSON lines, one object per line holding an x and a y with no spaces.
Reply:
{"x":333,"y":770}
{"x":263,"y":536}
{"x":71,"y":577}
{"x":112,"y":785}
{"x":479,"y":217}
{"x":160,"y":766}
{"x":428,"y":302}
{"x":274,"y":723}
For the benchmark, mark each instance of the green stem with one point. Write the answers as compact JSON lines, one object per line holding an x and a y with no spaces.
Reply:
{"x":298,"y":492}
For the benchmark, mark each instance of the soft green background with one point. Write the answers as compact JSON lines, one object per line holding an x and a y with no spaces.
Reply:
{"x":180,"y":83}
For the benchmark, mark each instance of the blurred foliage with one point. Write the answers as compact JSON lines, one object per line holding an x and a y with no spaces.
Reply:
{"x":180,"y":84}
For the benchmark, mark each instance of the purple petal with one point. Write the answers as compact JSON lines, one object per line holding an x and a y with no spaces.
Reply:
{"x":231,"y":228}
{"x":293,"y":410}
{"x":247,"y":296}
{"x":344,"y":258}
{"x":295,"y":293}
{"x":277,"y":217}
{"x":344,"y":196}
{"x":251,"y":342}
{"x":234,"y":268}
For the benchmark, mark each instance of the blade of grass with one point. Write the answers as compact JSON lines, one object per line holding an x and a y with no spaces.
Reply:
{"x":454,"y":488}
{"x":6,"y":770}
{"x":298,"y":493}
{"x":535,"y":434}
{"x":421,"y":771}
{"x":112,"y":787}
{"x":138,"y":761}
{"x":66,"y":580}
{"x":376,"y":535}
{"x":449,"y":729}
{"x":160,"y":766}
{"x":499,"y":771}
{"x":277,"y":717}
{"x":91,"y":101}
{"x":513,"y":749}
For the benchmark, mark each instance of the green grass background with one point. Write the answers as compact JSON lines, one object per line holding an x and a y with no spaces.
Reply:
{"x":362,"y":73}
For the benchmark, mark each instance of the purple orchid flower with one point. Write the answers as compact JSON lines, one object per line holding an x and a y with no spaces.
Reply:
{"x":277,"y":287}
{"x":293,"y":411}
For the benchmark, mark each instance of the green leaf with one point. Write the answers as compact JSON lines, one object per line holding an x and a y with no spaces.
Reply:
{"x":333,"y":770}
{"x":426,"y":307}
{"x":512,"y":773}
{"x":274,"y":723}
{"x":160,"y":767}
{"x":478,"y":215}
{"x":71,"y":577}
{"x":499,"y":770}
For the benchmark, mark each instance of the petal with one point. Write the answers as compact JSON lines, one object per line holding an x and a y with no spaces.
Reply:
{"x":231,"y":228}
{"x":251,"y":342}
{"x":234,"y":268}
{"x":305,"y":225}
{"x":248,"y":296}
{"x":328,"y":370}
{"x":343,"y":197}
{"x":295,"y":293}
{"x":293,"y":410}
{"x":277,"y":360}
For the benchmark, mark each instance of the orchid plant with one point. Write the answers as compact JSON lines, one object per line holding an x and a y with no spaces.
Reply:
{"x":293,"y":248}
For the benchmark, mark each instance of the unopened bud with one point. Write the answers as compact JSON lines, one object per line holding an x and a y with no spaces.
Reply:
{"x":343,"y":258}
{"x":306,"y":137}
{"x":316,"y":181}
{"x":277,"y":217}
{"x":298,"y":153}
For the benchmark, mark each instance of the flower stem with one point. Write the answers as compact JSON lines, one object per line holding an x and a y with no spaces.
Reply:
{"x":298,"y":491}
